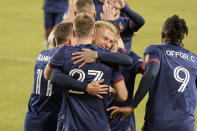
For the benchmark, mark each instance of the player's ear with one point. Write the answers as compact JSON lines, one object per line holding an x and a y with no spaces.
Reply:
{"x":75,"y":13}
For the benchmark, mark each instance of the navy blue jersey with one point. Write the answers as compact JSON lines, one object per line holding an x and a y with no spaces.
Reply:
{"x":173,"y":98}
{"x":55,"y":6}
{"x":45,"y":100}
{"x":84,"y":112}
{"x":129,"y":73}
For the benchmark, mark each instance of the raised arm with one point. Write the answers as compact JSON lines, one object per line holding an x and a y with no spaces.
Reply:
{"x":135,"y":21}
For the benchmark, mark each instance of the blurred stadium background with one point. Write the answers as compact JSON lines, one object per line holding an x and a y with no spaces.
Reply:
{"x":21,"y":39}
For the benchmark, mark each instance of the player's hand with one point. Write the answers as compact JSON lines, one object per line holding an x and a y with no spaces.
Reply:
{"x":96,"y":89}
{"x":120,"y":43}
{"x":108,"y":12}
{"x":115,"y":110}
{"x":86,"y":56}
{"x":71,"y":11}
{"x":118,"y":4}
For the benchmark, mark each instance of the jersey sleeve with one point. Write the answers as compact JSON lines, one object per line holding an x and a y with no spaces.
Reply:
{"x":152,"y":54}
{"x":116,"y":76}
{"x":58,"y":59}
{"x":138,"y":62}
{"x":115,"y":58}
{"x":136,"y":21}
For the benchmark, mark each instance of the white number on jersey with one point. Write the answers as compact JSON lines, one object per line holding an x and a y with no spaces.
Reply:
{"x":98,"y":75}
{"x":38,"y":83}
{"x":177,"y":77}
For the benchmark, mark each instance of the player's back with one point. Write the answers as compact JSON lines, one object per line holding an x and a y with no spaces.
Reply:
{"x":174,"y":96}
{"x":83,"y":111}
{"x":45,"y":100}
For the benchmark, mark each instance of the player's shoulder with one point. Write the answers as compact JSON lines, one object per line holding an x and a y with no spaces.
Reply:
{"x":153,"y":48}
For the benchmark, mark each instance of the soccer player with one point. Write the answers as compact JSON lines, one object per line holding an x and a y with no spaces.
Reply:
{"x":85,"y":112}
{"x":128,"y":20}
{"x":80,"y":6}
{"x":119,"y":122}
{"x":45,"y":100}
{"x":54,"y":11}
{"x":170,"y":78}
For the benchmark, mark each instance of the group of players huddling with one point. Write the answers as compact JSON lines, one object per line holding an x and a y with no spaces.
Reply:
{"x":86,"y":82}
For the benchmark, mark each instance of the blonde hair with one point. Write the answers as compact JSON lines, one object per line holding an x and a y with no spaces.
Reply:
{"x":104,"y":24}
{"x":84,"y":24}
{"x":86,"y":6}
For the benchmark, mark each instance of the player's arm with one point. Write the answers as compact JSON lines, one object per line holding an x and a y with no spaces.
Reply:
{"x":121,"y":91}
{"x":136,"y":21}
{"x":138,"y":65}
{"x":68,"y":83}
{"x":118,"y":84}
{"x":146,"y":83}
{"x":55,"y":62}
{"x":152,"y":66}
{"x":88,"y":56}
{"x":47,"y":71}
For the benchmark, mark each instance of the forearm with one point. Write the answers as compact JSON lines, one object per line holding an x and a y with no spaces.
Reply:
{"x":67,"y":82}
{"x":121,"y":93}
{"x":146,"y":83}
{"x":115,"y":58}
{"x":135,"y":17}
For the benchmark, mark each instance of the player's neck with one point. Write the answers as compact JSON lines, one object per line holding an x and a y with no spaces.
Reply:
{"x":62,"y":44}
{"x":85,"y":40}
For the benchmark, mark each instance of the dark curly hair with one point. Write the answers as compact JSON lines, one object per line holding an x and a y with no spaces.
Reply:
{"x":174,"y":29}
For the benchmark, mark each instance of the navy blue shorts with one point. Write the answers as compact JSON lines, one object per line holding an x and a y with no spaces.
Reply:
{"x":52,"y":19}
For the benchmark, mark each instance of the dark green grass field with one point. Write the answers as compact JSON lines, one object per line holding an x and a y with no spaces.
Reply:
{"x":21,"y":39}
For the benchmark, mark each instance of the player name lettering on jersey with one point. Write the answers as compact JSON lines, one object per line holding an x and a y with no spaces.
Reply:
{"x":43,"y":58}
{"x":180,"y":55}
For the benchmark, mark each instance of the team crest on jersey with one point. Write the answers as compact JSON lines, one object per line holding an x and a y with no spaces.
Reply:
{"x":121,"y":26}
{"x":146,"y":57}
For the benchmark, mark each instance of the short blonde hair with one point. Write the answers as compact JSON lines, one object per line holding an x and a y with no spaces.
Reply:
{"x":104,"y":24}
{"x":86,"y":6}
{"x":84,"y":24}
